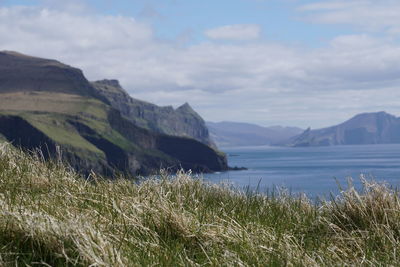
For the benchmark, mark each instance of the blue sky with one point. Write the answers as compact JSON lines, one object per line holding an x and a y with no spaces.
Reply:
{"x":279,"y":19}
{"x":288,"y":62}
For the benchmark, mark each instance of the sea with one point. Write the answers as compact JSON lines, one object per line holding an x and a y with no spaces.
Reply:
{"x":318,"y":172}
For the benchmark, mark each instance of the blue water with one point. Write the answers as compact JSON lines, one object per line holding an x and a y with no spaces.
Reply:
{"x":315,"y":171}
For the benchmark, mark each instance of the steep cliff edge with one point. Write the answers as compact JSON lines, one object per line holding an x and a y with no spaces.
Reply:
{"x":183,"y":121}
{"x":46,"y":104}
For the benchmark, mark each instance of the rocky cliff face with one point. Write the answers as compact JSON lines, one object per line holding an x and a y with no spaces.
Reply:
{"x":366,"y":128}
{"x":183,"y":121}
{"x":188,"y":152}
{"x":46,"y":104}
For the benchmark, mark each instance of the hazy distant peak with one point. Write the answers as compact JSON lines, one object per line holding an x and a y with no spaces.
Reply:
{"x":365,"y":128}
{"x":373,"y":114}
{"x":370,"y":117}
{"x":228,"y":133}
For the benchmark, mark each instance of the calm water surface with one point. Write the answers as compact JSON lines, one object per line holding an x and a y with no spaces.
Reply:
{"x":311,"y":170}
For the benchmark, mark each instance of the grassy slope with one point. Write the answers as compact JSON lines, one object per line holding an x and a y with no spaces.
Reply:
{"x":49,"y":112}
{"x":48,"y":214}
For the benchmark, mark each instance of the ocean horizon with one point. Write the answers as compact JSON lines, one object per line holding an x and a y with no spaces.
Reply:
{"x":314,"y":171}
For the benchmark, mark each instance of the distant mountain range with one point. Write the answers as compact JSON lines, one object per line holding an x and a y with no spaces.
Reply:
{"x":97,"y":126}
{"x":366,"y":128}
{"x":245,"y":134}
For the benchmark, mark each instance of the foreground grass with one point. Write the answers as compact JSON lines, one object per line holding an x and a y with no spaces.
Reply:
{"x":51,"y":216}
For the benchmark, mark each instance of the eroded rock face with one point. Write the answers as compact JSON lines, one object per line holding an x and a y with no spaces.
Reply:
{"x":366,"y":128}
{"x":20,"y":133}
{"x":187,"y":152}
{"x":183,"y":121}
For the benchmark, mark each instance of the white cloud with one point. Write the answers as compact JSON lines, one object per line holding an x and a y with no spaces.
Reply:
{"x":331,"y":5}
{"x":262,"y":82}
{"x":370,"y":15}
{"x":235,"y":32}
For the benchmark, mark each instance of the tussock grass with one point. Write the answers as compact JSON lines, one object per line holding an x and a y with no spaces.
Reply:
{"x":49,"y":215}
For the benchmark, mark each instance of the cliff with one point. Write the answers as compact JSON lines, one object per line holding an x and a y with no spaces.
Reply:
{"x":21,"y":73}
{"x":46,"y":104}
{"x":183,"y":121}
{"x":366,"y":128}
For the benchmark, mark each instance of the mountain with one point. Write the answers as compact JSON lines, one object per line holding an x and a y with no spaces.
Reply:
{"x":183,"y":121}
{"x":21,"y":73}
{"x":47,"y":104}
{"x":246,"y":134}
{"x":366,"y":128}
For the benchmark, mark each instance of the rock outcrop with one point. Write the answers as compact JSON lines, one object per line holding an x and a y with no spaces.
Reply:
{"x":183,"y":121}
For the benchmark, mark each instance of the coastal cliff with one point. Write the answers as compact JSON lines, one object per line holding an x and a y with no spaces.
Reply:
{"x":49,"y":105}
{"x":183,"y":121}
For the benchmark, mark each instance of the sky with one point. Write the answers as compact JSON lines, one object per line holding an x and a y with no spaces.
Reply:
{"x":270,"y":62}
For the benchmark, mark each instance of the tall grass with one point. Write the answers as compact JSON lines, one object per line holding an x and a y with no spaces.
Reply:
{"x":50,"y":215}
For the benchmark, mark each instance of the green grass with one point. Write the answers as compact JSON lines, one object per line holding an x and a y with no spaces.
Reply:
{"x":53,"y":102}
{"x":55,"y":126}
{"x":50,"y":215}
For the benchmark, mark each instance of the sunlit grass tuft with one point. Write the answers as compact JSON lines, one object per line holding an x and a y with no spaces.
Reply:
{"x":51,"y":215}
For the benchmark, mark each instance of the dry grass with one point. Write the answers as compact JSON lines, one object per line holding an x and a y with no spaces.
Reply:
{"x":51,"y":216}
{"x":51,"y":102}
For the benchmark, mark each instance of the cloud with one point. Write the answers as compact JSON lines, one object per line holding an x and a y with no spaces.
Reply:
{"x":235,"y":32}
{"x":261,"y":82}
{"x":370,"y":15}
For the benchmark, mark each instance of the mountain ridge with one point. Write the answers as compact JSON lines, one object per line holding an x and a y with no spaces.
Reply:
{"x":228,"y":133}
{"x":365,"y":128}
